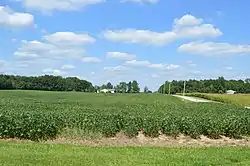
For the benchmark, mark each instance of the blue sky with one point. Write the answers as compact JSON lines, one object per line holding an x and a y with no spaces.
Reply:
{"x":120,"y":40}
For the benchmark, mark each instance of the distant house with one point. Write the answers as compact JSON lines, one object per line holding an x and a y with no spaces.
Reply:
{"x":106,"y":91}
{"x":230,"y":92}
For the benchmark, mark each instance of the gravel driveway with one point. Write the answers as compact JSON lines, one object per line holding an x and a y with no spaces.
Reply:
{"x":194,"y":99}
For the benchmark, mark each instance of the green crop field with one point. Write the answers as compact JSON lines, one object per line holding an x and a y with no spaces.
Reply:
{"x":38,"y":115}
{"x":23,"y":154}
{"x":239,"y":99}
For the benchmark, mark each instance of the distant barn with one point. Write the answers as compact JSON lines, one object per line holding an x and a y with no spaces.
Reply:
{"x":230,"y":92}
{"x":106,"y":91}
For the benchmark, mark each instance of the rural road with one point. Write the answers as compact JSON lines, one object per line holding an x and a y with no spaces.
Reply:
{"x":193,"y":99}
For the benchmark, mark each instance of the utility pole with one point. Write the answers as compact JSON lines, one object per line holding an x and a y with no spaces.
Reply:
{"x":169,"y":88}
{"x":162,"y":90}
{"x":184,"y":89}
{"x":164,"y":87}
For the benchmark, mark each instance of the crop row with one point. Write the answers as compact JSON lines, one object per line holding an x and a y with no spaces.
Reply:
{"x":47,"y":121}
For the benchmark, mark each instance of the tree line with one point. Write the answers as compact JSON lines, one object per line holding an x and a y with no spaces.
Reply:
{"x":58,"y":83}
{"x":122,"y":87}
{"x":220,"y":85}
{"x":46,"y":82}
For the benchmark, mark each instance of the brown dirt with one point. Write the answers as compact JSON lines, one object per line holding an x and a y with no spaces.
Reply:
{"x":141,"y":140}
{"x":161,"y":141}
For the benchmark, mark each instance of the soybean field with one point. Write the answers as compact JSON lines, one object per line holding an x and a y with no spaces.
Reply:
{"x":40,"y":115}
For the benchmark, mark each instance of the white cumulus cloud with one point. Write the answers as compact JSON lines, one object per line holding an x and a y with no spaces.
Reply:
{"x":154,"y":75}
{"x":26,"y":55}
{"x":160,"y":66}
{"x":13,"y":40}
{"x":69,"y":38}
{"x":115,"y":69}
{"x":34,"y":50}
{"x":191,"y":64}
{"x":67,"y":67}
{"x":140,"y":36}
{"x":60,"y":5}
{"x":121,"y":56}
{"x":214,"y":49}
{"x":164,"y":66}
{"x":157,"y":66}
{"x":14,"y":19}
{"x":186,"y":27}
{"x":55,"y":72}
{"x":91,"y":60}
{"x":187,"y":20}
{"x":137,"y":63}
{"x":60,"y":45}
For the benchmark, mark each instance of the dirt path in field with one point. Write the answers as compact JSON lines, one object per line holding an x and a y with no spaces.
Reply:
{"x":161,"y":141}
{"x":193,"y":99}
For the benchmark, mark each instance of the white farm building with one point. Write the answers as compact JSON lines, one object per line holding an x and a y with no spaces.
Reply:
{"x":106,"y":91}
{"x":230,"y":92}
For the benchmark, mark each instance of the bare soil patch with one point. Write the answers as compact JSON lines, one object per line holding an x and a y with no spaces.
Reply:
{"x":141,"y":140}
{"x":161,"y":141}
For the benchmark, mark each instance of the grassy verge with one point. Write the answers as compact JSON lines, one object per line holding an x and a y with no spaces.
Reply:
{"x":44,"y":154}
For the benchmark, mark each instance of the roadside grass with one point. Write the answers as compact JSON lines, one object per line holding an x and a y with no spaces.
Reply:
{"x":24,"y":153}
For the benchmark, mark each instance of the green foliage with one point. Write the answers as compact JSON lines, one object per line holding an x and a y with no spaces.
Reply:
{"x":47,"y":83}
{"x":123,"y":87}
{"x":44,"y":115}
{"x":219,"y":85}
{"x":132,"y":125}
{"x":170,"y":126}
{"x":129,"y":85}
{"x":28,"y":125}
{"x":135,"y":87}
{"x":152,"y":126}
